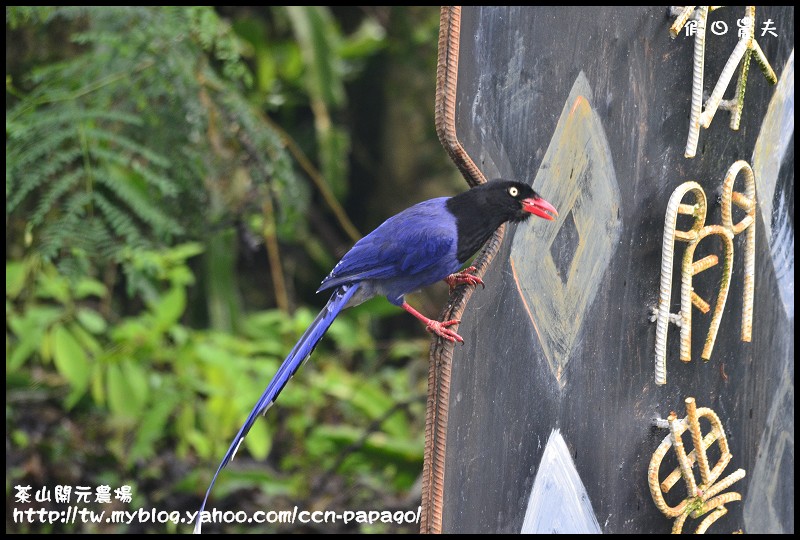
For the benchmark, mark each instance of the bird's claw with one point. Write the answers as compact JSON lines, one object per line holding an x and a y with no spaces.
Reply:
{"x":465,"y":276}
{"x":441,"y":330}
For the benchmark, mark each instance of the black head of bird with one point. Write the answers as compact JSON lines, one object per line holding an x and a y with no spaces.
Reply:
{"x":482,"y":209}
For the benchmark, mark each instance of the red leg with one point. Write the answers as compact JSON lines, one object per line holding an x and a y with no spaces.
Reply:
{"x":438,"y":328}
{"x":465,"y":276}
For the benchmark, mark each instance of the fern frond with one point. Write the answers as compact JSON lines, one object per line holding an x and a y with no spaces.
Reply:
{"x":59,"y":117}
{"x":53,"y":194}
{"x":23,"y":156}
{"x":24,"y":182}
{"x":57,"y":234}
{"x":127,"y":143}
{"x":140,"y":204}
{"x":118,"y":220}
{"x":114,"y":146}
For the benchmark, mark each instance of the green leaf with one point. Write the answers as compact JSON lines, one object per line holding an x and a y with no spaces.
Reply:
{"x":407,"y":348}
{"x":89,"y":287}
{"x":268,"y":483}
{"x":132,"y":331}
{"x":21,"y":352}
{"x":48,"y":345}
{"x":319,"y":38}
{"x":34,"y":320}
{"x":153,"y":425}
{"x":182,"y":252}
{"x":136,"y":379}
{"x":200,"y":443}
{"x":71,"y":360}
{"x":30,"y":328}
{"x":258,"y":441}
{"x":86,"y":340}
{"x":20,"y":439}
{"x":122,"y":398}
{"x":15,"y":278}
{"x":52,"y":285}
{"x":350,"y":335}
{"x":184,"y":425}
{"x":366,"y":396}
{"x":365,"y":41}
{"x":378,"y":446}
{"x":169,"y":308}
{"x":91,"y":320}
{"x":98,"y":390}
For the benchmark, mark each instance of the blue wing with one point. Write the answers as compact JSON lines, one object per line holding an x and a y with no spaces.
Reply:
{"x":418,"y":244}
{"x":298,"y":354}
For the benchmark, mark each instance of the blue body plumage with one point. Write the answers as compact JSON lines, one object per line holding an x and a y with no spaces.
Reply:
{"x":424,"y":244}
{"x":401,"y":256}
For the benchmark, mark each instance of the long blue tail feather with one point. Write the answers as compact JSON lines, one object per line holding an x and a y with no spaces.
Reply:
{"x":299,"y":353}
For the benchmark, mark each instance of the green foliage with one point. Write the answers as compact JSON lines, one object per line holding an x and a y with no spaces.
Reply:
{"x":148,"y":370}
{"x":92,"y":169}
{"x":143,"y":178}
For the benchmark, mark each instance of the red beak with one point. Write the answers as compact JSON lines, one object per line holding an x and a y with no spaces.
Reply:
{"x":540,"y":207}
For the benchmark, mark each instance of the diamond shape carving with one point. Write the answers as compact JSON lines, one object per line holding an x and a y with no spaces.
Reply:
{"x":558,"y":273}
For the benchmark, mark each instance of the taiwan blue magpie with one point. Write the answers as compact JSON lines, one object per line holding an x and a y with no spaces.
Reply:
{"x":426,"y":243}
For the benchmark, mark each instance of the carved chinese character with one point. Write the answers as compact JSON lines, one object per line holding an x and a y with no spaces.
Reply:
{"x":706,"y":495}
{"x":689,"y":267}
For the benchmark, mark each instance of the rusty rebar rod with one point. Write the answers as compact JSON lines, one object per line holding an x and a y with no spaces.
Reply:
{"x":687,"y":289}
{"x":674,"y":207}
{"x":441,"y":353}
{"x":747,"y":202}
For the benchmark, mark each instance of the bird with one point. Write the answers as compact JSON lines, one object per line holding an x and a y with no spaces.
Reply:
{"x":424,"y":244}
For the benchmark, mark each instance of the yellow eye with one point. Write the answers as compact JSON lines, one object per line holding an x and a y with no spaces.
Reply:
{"x":513,"y":191}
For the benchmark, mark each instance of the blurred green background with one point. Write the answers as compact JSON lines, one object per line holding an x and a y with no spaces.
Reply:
{"x":178,"y":183}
